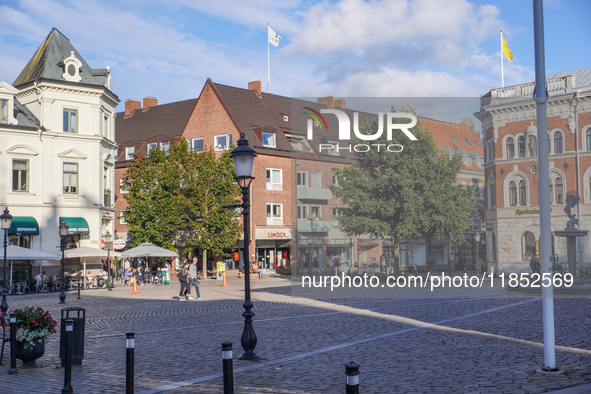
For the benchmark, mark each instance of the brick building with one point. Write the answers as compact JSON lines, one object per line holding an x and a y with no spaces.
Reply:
{"x":508,"y":117}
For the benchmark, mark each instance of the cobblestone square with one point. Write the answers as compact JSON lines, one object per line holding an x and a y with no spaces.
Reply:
{"x":404,"y":345}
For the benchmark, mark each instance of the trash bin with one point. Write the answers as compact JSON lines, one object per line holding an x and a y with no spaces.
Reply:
{"x":165,"y":276}
{"x":78,"y":315}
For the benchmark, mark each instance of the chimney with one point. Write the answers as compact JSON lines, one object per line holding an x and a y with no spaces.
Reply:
{"x":150,"y":102}
{"x":340,"y":104}
{"x":256,"y":87}
{"x":328,"y":101}
{"x":131,"y":106}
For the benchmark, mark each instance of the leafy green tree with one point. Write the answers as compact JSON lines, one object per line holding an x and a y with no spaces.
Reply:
{"x":407,"y":195}
{"x":176,"y":198}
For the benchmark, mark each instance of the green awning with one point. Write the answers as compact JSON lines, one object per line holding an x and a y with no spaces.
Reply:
{"x":75,"y":225}
{"x":23,"y":225}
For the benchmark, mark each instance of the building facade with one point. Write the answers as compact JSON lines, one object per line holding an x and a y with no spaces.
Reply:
{"x":508,"y":117}
{"x":57,"y":147}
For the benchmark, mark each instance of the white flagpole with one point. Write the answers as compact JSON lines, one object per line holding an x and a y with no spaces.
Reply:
{"x":502,"y":71}
{"x":268,"y":63}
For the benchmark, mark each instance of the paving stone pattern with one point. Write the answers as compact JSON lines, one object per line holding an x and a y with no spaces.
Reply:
{"x":404,"y":345}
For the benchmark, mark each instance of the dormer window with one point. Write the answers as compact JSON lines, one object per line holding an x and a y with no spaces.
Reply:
{"x":269,"y":140}
{"x":72,"y":68}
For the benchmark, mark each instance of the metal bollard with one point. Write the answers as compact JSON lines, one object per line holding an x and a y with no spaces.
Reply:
{"x":79,"y":278}
{"x":352,"y":373}
{"x":13,"y":370}
{"x":68,"y":370}
{"x":228,"y":367}
{"x":129,"y":361}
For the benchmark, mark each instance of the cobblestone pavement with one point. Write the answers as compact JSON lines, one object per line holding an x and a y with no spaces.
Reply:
{"x":464,"y":344}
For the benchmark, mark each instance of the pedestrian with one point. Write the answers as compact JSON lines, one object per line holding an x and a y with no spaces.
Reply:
{"x":183,"y":277}
{"x":535,"y":265}
{"x":193,"y":281}
{"x":255,"y":268}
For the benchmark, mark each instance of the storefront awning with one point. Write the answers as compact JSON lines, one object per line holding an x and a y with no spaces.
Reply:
{"x":75,"y":225}
{"x":23,"y":225}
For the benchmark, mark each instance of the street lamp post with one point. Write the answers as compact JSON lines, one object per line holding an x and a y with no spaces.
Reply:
{"x":6,"y":219}
{"x":477,"y":240}
{"x":108,"y":238}
{"x":243,"y":157}
{"x":63,"y":233}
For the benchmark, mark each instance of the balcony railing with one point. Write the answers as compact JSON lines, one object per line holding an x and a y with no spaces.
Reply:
{"x":526,"y":90}
{"x":314,"y":226}
{"x":314,"y":193}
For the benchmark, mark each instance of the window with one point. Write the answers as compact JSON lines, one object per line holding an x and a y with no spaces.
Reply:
{"x":512,"y":194}
{"x":510,"y":148}
{"x":302,"y":212}
{"x":492,"y":195}
{"x":453,"y":139}
{"x":335,"y":179}
{"x":315,"y":179}
{"x":123,"y":186}
{"x":532,"y":146}
{"x":70,"y":178}
{"x":589,"y":139}
{"x":196,"y":144}
{"x":274,"y":178}
{"x":129,"y":151}
{"x":222,"y":142}
{"x":476,"y":143}
{"x":528,"y":245}
{"x":467,"y":141}
{"x":269,"y":139}
{"x":165,"y":146}
{"x":559,"y":188}
{"x":522,"y":193}
{"x":3,"y":111}
{"x":315,"y":211}
{"x":70,"y":120}
{"x":302,"y":178}
{"x":274,"y":211}
{"x":558,"y":143}
{"x":521,"y":146}
{"x":298,"y":143}
{"x":476,"y":221}
{"x":122,"y":217}
{"x":481,"y":192}
{"x":334,"y":148}
{"x":151,"y":146}
{"x":20,"y":175}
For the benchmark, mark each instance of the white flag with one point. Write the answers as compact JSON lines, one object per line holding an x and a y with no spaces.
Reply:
{"x":273,"y":37}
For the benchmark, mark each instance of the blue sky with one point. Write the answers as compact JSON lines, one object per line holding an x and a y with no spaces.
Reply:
{"x":388,"y":48}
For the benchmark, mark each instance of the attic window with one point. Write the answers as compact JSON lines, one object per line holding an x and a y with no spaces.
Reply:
{"x":72,"y":68}
{"x":476,"y":143}
{"x":453,"y":139}
{"x":467,"y":141}
{"x":285,"y":118}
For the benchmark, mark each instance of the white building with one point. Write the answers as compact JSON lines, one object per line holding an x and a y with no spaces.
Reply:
{"x":57,"y":148}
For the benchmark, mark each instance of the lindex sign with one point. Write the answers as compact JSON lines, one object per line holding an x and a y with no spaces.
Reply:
{"x":119,"y":244}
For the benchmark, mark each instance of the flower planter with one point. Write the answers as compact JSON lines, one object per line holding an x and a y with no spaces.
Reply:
{"x":29,"y":355}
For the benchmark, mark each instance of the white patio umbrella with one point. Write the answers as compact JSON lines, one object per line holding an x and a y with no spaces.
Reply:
{"x":87,"y":251}
{"x":148,"y":250}
{"x":14,"y":252}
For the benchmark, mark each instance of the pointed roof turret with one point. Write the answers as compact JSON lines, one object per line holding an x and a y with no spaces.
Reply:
{"x":56,"y":60}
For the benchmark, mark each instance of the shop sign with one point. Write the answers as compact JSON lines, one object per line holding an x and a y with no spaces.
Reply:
{"x":273,"y":233}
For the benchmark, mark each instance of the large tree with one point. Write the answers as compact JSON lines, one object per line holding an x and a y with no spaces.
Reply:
{"x":407,"y":195}
{"x":176,"y":197}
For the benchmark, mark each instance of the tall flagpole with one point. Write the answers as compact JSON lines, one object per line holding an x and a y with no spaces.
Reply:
{"x":268,"y":62}
{"x":502,"y":71}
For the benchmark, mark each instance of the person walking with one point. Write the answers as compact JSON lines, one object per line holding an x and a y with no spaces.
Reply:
{"x":193,"y":281}
{"x":183,"y":279}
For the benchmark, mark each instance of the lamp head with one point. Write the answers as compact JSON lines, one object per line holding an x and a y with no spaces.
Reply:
{"x":477,"y":237}
{"x":243,"y":157}
{"x":108,"y":237}
{"x":6,"y":219}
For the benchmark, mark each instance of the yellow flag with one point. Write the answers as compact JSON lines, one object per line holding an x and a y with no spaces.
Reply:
{"x":506,"y":49}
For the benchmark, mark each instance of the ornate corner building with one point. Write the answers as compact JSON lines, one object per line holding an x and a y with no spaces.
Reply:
{"x":508,"y":117}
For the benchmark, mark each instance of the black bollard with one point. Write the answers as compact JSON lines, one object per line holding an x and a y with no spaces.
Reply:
{"x":352,"y":373}
{"x":79,"y":286}
{"x":68,"y":370}
{"x":228,"y":367}
{"x":13,"y":370}
{"x":129,"y":361}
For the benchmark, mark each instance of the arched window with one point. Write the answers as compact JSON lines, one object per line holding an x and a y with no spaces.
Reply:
{"x":476,"y":221}
{"x":559,"y":191}
{"x":522,"y":193}
{"x":493,"y":247}
{"x":588,"y":134}
{"x":551,"y":192}
{"x":521,"y":146}
{"x":558,"y":142}
{"x":532,"y":146}
{"x":510,"y":148}
{"x":492,"y":197}
{"x":528,"y":245}
{"x":512,"y":194}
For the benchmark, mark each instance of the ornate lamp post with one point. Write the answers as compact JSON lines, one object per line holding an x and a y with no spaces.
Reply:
{"x":477,"y":240}
{"x":6,"y":220}
{"x":108,"y":238}
{"x":243,"y":157}
{"x":63,"y":233}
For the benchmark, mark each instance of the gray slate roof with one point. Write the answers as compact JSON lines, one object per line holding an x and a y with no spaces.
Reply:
{"x":46,"y":63}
